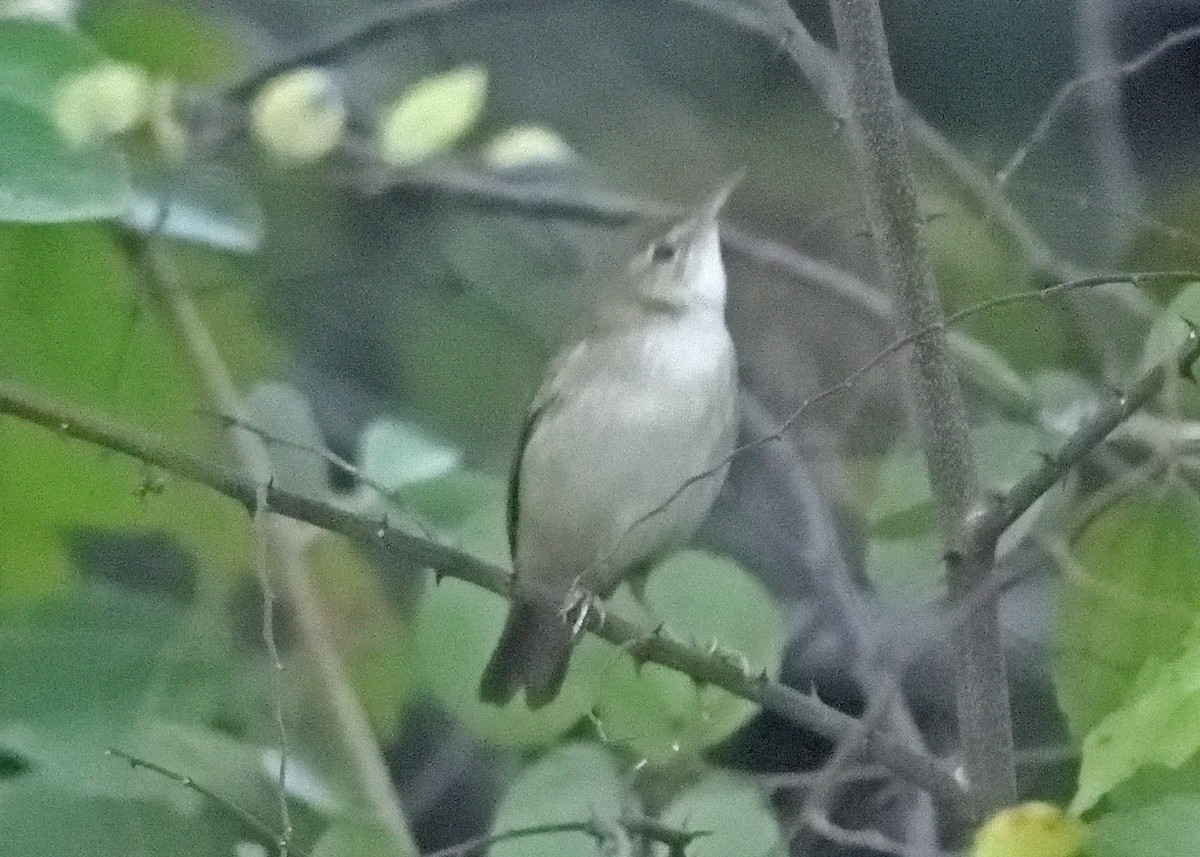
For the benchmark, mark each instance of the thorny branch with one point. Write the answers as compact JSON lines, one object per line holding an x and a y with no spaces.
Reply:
{"x":641,"y":826}
{"x":802,"y":709}
{"x":704,"y":666}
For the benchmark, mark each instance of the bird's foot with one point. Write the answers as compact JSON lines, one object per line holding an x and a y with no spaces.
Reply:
{"x":580,"y":604}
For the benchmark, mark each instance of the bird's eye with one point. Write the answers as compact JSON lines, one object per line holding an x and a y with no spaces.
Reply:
{"x":662,"y":252}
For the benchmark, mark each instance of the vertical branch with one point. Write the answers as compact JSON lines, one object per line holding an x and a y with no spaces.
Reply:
{"x":281,"y":545}
{"x":1097,"y":57}
{"x":985,"y":723}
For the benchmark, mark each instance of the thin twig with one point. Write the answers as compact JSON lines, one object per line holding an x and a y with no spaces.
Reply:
{"x":849,"y":381}
{"x":286,"y":549}
{"x":842,"y":599}
{"x":871,"y":840}
{"x":278,"y":682}
{"x":647,"y":828}
{"x":848,"y":748}
{"x":831,"y":278}
{"x":1004,"y":511}
{"x":496,"y":192}
{"x":332,"y":458}
{"x":1011,"y":505}
{"x":207,"y":359}
{"x":548,"y":199}
{"x":244,"y":815}
{"x":776,"y":23}
{"x":1068,"y":90}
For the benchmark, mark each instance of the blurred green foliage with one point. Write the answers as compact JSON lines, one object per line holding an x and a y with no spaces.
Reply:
{"x":179,"y":680}
{"x":166,"y":39}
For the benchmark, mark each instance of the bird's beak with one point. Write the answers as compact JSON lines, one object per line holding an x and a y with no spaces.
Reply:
{"x":713,"y":204}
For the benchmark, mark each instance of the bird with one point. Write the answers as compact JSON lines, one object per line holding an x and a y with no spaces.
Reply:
{"x":625,"y":445}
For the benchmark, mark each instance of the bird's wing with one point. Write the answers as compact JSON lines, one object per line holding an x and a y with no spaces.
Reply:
{"x":548,"y":396}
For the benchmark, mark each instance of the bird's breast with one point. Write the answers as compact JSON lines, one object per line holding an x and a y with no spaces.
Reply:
{"x":624,"y":437}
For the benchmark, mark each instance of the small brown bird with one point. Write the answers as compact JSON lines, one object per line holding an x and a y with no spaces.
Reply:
{"x":642,"y":402}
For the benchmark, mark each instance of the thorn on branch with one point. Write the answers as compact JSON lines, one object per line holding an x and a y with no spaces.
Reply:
{"x":1187,"y":361}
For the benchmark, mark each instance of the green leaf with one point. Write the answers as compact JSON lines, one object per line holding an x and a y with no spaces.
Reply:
{"x":94,"y":105}
{"x":1065,"y":400}
{"x":1158,"y":724}
{"x":986,"y":368}
{"x":1130,"y":597}
{"x":459,"y":626}
{"x":110,"y":667}
{"x":457,"y":629}
{"x":432,"y":115}
{"x":1168,"y":827}
{"x":82,"y":672}
{"x":524,"y":146}
{"x":198,"y":204}
{"x":1170,"y":329}
{"x":39,"y":821}
{"x":575,"y":783}
{"x":299,"y":117}
{"x":735,"y":814}
{"x":973,"y":262}
{"x":450,"y":500}
{"x":34,"y":57}
{"x":356,"y":839}
{"x":233,"y":769}
{"x":904,"y":555}
{"x":74,"y":329}
{"x":43,"y":179}
{"x":907,"y":567}
{"x":708,"y":601}
{"x":166,"y":39}
{"x":374,"y":642}
{"x":97,"y":651}
{"x":464,"y":398}
{"x":396,"y":454}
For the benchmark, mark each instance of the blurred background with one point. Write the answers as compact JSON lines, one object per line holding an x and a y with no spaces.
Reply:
{"x":395,"y":305}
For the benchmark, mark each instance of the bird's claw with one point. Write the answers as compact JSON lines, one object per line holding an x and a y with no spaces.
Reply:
{"x":580,"y":604}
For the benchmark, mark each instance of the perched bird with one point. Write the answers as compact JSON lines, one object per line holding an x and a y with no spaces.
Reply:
{"x":643,"y":401}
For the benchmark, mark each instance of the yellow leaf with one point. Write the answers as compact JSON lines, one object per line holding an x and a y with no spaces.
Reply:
{"x":299,"y":117}
{"x":1033,"y":829}
{"x":522,"y":145}
{"x":100,"y":102}
{"x":432,"y":115}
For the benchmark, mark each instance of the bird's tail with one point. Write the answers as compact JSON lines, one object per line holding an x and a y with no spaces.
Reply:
{"x":532,"y":653}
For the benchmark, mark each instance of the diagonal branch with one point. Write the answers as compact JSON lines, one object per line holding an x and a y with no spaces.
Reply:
{"x":1004,"y":510}
{"x":248,"y":818}
{"x":378,"y":26}
{"x":804,"y":710}
{"x":1068,"y":90}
